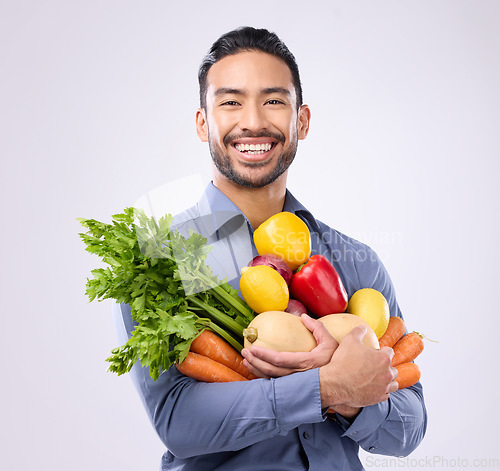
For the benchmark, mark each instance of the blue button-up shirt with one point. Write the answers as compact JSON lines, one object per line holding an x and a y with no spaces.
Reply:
{"x":275,"y":424}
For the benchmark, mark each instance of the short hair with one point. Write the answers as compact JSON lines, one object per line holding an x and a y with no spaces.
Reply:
{"x":243,"y":39}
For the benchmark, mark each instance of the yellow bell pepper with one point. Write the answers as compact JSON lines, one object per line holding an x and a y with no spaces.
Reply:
{"x":286,"y":235}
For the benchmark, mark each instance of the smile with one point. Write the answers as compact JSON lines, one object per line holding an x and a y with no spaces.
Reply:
{"x":254,"y":149}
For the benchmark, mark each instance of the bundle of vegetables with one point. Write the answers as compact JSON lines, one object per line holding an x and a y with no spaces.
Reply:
{"x":173,"y":295}
{"x":283,"y":332}
{"x":311,"y":284}
{"x":284,"y":243}
{"x":178,"y":304}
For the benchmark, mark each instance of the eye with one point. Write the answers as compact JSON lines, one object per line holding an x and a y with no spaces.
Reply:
{"x":229,"y":103}
{"x":275,"y":102}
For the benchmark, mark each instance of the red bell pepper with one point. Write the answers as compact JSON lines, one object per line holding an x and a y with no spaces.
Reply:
{"x":318,"y":286}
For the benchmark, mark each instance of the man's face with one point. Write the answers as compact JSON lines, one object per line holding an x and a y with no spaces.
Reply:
{"x":251,"y":121}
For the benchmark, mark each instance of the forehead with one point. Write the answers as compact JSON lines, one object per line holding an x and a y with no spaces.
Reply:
{"x":250,"y":71}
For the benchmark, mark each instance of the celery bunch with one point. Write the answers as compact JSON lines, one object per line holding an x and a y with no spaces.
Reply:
{"x":163,"y":277}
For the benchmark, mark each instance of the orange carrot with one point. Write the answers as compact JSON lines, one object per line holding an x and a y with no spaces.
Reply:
{"x":409,"y":374}
{"x":395,"y":330}
{"x":205,"y":369}
{"x":408,"y":348}
{"x":212,"y":346}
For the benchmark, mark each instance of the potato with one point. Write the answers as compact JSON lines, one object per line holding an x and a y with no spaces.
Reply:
{"x":284,"y":332}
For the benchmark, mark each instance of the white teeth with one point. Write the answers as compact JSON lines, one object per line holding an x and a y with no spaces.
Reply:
{"x":254,"y":148}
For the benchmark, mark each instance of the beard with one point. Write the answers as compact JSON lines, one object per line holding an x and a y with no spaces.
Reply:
{"x":224,"y":165}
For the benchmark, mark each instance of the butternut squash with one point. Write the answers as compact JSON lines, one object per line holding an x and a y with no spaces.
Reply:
{"x":285,"y":332}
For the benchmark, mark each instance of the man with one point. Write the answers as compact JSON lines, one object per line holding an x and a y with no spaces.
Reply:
{"x":252,"y":117}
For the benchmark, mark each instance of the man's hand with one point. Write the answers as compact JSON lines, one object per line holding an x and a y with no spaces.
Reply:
{"x":357,"y":375}
{"x":351,"y":374}
{"x":267,"y":363}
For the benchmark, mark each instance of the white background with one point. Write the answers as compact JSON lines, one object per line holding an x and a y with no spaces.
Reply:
{"x":97,"y":103}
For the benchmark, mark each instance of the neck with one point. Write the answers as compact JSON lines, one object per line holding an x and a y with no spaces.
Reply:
{"x":257,"y":204}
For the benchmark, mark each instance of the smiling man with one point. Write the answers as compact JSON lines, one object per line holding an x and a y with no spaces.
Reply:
{"x":252,"y":116}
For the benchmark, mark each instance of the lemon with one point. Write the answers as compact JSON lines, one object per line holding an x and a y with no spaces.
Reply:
{"x":370,"y":305}
{"x":286,"y":235}
{"x":263,"y":289}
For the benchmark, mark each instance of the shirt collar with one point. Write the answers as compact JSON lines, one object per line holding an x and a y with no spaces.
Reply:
{"x":293,"y":205}
{"x":214,"y":200}
{"x":221,"y":210}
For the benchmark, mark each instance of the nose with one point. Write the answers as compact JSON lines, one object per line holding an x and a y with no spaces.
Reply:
{"x":252,"y":118}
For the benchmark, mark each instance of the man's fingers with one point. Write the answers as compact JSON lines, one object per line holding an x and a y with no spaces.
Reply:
{"x":264,"y":362}
{"x":309,"y":322}
{"x":319,"y":331}
{"x":288,"y":360}
{"x":393,"y":387}
{"x":274,"y":363}
{"x":358,"y":332}
{"x":395,"y":373}
{"x":254,"y":370}
{"x":389,"y":350}
{"x":262,"y":368}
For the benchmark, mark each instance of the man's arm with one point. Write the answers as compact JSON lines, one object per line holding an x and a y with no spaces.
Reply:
{"x":351,"y":374}
{"x":396,"y":426}
{"x":195,"y":418}
{"x":357,"y":375}
{"x":359,"y":383}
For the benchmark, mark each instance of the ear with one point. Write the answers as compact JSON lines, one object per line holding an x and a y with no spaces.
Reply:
{"x":201,"y":125}
{"x":303,"y":118}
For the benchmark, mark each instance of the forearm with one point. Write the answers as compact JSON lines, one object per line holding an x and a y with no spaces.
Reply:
{"x":194,"y":418}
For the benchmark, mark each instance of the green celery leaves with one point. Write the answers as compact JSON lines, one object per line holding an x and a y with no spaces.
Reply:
{"x":163,"y":277}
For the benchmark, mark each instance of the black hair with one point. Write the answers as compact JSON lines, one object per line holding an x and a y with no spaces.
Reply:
{"x":247,"y":38}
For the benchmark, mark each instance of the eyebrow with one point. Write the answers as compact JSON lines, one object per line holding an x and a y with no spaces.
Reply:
{"x":281,"y":90}
{"x":265,"y":91}
{"x":228,"y":91}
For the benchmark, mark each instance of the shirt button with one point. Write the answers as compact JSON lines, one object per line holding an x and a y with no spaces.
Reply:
{"x":371,"y":448}
{"x":306,"y":435}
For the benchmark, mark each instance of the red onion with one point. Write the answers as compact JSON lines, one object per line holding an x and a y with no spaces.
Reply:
{"x":276,"y":263}
{"x":295,"y":307}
